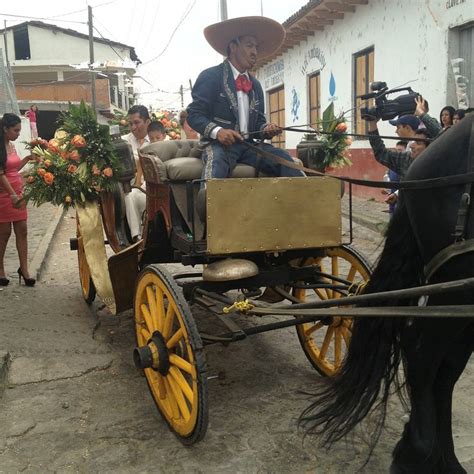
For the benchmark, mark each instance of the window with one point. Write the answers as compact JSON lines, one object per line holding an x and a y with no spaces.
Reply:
{"x":314,"y":98}
{"x":21,"y":41}
{"x":276,"y":99}
{"x":363,"y":76}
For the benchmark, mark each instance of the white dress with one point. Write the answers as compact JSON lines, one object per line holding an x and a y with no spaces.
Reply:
{"x":135,"y":201}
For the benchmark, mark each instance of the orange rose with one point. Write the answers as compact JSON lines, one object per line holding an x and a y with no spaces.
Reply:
{"x":64,"y":155}
{"x":44,"y":143}
{"x":78,"y":141}
{"x":173,"y":135}
{"x":30,"y":179}
{"x":53,"y":146}
{"x":174,"y":124}
{"x":341,"y":127}
{"x":108,"y":173}
{"x":72,"y":168}
{"x":348,"y":141}
{"x":74,"y":155}
{"x":47,"y":163}
{"x":95,"y":170}
{"x":123,"y":122}
{"x":48,"y":178}
{"x":41,"y":171}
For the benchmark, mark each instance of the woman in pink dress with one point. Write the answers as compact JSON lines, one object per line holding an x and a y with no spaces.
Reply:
{"x":32,"y":117}
{"x":12,"y":211}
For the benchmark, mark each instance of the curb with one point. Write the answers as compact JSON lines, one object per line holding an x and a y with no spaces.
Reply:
{"x":41,"y":253}
{"x":371,"y":224}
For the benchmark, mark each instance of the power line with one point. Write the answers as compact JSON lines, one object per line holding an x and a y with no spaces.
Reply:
{"x":42,"y":18}
{"x":186,"y":13}
{"x":108,"y":44}
{"x":158,"y":3}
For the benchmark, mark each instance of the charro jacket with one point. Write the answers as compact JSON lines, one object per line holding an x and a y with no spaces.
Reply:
{"x":215,"y":103}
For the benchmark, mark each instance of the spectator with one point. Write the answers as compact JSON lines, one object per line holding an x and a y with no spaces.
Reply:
{"x":188,"y":132}
{"x":12,"y":210}
{"x":156,"y":132}
{"x":32,"y":115}
{"x":458,"y":116}
{"x":392,"y":177}
{"x":446,"y":116}
{"x":135,"y":201}
{"x":431,"y":124}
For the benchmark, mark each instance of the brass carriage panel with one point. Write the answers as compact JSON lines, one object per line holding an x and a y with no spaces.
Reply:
{"x":272,"y":214}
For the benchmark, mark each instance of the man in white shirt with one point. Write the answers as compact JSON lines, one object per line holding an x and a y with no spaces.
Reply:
{"x":228,"y":102}
{"x":135,"y":201}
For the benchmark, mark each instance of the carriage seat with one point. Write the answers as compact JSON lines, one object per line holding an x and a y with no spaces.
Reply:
{"x":179,"y":160}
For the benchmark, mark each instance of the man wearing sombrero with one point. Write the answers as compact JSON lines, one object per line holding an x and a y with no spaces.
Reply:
{"x":228,"y":103}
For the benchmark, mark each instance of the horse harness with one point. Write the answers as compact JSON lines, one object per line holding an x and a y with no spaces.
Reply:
{"x":465,"y":216}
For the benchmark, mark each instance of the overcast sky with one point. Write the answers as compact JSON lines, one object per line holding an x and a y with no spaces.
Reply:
{"x":147,"y":25}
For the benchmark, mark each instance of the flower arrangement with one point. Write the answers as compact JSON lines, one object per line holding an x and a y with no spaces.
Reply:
{"x":120,"y":119}
{"x":170,"y":123}
{"x":74,"y":166}
{"x":332,"y":150}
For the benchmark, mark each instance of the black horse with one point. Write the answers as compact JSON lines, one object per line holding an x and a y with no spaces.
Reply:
{"x":434,"y":352}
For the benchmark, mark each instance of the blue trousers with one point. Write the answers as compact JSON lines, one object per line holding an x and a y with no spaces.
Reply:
{"x":220,"y":161}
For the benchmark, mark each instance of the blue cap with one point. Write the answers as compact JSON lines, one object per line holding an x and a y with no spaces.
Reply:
{"x":409,"y":120}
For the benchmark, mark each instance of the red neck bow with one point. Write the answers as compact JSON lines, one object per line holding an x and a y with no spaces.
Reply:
{"x":243,"y":83}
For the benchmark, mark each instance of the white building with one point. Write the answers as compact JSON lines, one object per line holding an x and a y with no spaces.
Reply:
{"x":334,"y":49}
{"x":50,"y":69}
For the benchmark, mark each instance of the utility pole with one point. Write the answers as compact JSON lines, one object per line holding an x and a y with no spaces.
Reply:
{"x":223,"y":9}
{"x":261,"y":7}
{"x":91,"y":58}
{"x":5,"y":42}
{"x":181,"y":93}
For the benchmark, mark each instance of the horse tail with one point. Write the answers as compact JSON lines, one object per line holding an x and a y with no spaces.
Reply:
{"x":374,"y":355}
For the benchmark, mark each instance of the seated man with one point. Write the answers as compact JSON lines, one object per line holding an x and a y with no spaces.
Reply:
{"x":228,"y":103}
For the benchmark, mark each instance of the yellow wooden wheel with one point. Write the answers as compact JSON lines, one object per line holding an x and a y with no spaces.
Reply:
{"x":171,"y":353}
{"x":325,"y":342}
{"x":87,"y":285}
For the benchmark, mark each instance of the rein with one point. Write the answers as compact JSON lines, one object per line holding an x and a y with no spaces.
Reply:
{"x":431,"y":183}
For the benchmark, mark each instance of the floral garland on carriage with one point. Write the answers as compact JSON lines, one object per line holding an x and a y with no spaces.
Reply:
{"x":76,"y":165}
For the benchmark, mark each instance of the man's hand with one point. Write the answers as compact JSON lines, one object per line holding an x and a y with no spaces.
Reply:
{"x":227,"y":137}
{"x":421,"y":108}
{"x":372,"y":125}
{"x":272,"y":130}
{"x":392,"y":198}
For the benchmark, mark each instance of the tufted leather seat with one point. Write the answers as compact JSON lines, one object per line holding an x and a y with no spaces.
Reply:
{"x":179,"y":160}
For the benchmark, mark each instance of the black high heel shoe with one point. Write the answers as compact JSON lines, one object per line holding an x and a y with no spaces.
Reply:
{"x":4,"y":281}
{"x":28,"y":281}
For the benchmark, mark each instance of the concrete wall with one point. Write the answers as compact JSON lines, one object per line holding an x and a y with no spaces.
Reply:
{"x":410,"y":40}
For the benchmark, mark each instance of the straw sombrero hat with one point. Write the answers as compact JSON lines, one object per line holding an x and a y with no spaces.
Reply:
{"x":269,"y":33}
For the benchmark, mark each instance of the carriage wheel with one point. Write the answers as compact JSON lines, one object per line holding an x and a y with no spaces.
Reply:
{"x":171,"y":353}
{"x":325,"y":342}
{"x":87,"y":285}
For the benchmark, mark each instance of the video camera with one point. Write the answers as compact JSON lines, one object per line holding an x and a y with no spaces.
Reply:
{"x":385,"y":108}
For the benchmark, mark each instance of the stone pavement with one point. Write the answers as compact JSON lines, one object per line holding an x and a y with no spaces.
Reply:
{"x":42,"y":224}
{"x":367,"y":212}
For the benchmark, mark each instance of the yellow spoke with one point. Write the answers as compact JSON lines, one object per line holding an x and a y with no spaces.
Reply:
{"x":345,"y":335}
{"x":168,"y":324}
{"x":181,"y":363}
{"x":182,"y":382}
{"x":157,"y":380}
{"x":171,"y":400}
{"x":145,"y":334}
{"x":178,"y":395}
{"x":351,"y":274}
{"x":321,"y":294}
{"x":311,"y":329}
{"x":175,"y":338}
{"x":161,"y":308}
{"x":326,"y":342}
{"x":152,"y":305}
{"x":337,"y":348}
{"x":147,"y":317}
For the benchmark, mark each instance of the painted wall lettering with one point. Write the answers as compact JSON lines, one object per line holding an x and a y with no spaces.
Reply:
{"x":273,"y":74}
{"x":454,"y":3}
{"x":312,"y":53}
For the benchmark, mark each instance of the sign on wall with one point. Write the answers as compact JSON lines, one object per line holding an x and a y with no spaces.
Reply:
{"x":273,"y":74}
{"x":309,"y":56}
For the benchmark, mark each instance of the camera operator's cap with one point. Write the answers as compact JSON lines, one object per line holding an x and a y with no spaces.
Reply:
{"x":269,"y":33}
{"x":410,"y":120}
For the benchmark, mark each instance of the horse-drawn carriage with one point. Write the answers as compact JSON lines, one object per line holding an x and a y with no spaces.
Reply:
{"x":250,"y":240}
